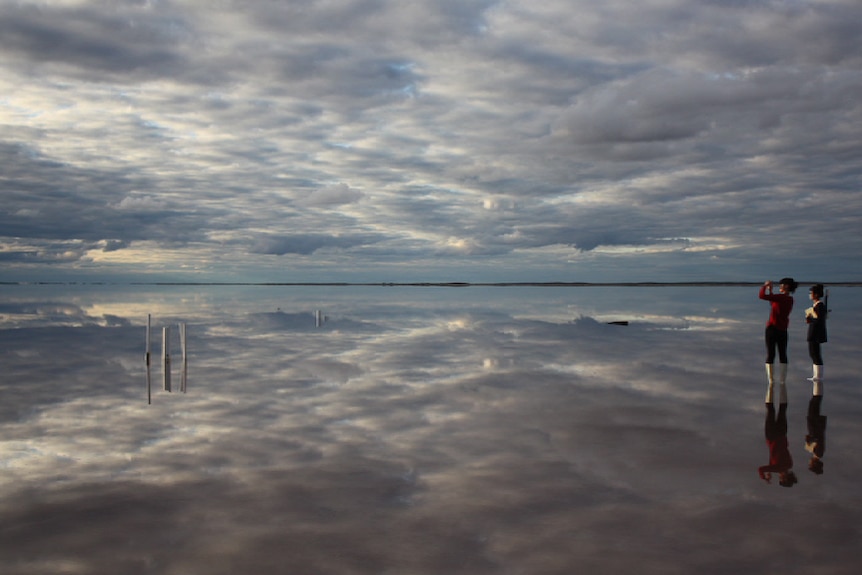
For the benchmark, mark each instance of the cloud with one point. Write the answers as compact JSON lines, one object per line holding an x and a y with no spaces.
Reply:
{"x":497,"y":139}
{"x":141,"y":203}
{"x":306,"y":244}
{"x":334,"y":195}
{"x":92,"y":43}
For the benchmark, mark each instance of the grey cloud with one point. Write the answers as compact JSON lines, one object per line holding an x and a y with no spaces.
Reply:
{"x":115,"y":245}
{"x":306,"y":244}
{"x":95,"y":42}
{"x":334,"y":195}
{"x":19,"y":255}
{"x":660,"y":106}
{"x":49,"y":252}
{"x":786,"y":33}
{"x":335,"y":371}
{"x":723,"y":35}
{"x":344,"y":76}
{"x":141,"y":203}
{"x":306,"y":321}
{"x":426,"y":23}
{"x":60,"y":208}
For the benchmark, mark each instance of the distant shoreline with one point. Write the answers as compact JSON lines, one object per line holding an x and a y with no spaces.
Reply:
{"x":423,"y":284}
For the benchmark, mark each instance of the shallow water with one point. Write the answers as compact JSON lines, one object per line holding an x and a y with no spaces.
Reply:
{"x":416,"y":430}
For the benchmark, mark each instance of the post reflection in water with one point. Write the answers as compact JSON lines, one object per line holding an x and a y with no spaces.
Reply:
{"x":166,"y":358}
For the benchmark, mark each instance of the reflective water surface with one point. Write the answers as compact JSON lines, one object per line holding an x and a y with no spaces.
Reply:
{"x":420,"y":430}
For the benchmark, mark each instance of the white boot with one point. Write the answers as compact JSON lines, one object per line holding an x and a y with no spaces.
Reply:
{"x":770,"y":386}
{"x":817,"y":380}
{"x":782,"y":383}
{"x":817,"y":374}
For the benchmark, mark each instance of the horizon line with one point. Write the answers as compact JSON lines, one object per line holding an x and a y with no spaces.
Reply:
{"x":435,"y":284}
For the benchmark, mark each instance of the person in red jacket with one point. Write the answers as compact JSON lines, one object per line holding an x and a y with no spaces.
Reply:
{"x":776,"y":333}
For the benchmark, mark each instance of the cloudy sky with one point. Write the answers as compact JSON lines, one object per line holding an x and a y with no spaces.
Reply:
{"x":446,"y":140}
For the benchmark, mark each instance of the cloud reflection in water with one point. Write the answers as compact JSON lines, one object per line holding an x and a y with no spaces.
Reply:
{"x":418,"y":430}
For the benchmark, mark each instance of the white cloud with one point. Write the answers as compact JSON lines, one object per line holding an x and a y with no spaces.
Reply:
{"x":141,"y":203}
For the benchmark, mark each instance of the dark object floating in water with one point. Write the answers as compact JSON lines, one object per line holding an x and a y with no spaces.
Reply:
{"x":618,"y":323}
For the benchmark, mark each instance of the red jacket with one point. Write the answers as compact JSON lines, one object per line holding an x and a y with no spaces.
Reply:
{"x":779,"y":457}
{"x":782,"y":303}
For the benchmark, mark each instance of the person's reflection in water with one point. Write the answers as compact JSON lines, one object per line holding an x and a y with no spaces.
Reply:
{"x":815,"y":441}
{"x":780,"y":460}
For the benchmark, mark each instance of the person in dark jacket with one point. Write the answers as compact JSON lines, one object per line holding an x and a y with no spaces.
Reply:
{"x":815,"y":317}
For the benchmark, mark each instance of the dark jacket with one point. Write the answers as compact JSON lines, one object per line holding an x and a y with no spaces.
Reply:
{"x":817,"y":325}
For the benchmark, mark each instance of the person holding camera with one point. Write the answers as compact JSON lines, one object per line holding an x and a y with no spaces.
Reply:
{"x":781,"y":304}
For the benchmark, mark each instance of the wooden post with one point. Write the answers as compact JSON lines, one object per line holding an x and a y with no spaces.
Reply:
{"x":166,"y":356}
{"x":147,"y":361}
{"x":185,"y":365}
{"x":147,"y":355}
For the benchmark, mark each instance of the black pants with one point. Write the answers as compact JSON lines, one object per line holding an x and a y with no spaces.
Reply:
{"x":814,"y":352}
{"x":775,"y":427}
{"x":776,"y":339}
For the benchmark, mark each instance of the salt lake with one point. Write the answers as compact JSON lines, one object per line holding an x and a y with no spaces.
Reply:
{"x":417,"y":430}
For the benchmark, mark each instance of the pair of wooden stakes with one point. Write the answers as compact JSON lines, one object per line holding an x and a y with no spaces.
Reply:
{"x":166,"y":359}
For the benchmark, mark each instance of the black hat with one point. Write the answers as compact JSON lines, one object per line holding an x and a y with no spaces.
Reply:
{"x":790,"y":283}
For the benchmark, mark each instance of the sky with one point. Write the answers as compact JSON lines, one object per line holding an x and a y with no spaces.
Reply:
{"x":447,"y":140}
{"x":492,"y":431}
